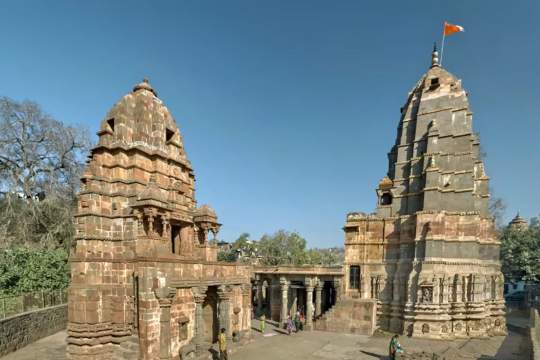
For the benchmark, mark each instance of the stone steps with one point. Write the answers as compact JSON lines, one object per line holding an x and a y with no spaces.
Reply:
{"x":349,"y":316}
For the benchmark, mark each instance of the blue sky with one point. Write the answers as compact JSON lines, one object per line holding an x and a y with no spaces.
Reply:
{"x":287,"y":108}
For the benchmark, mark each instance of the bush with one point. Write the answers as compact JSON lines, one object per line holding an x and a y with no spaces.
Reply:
{"x":24,"y":270}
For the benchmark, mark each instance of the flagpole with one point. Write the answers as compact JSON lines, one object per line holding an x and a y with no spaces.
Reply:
{"x":442,"y":45}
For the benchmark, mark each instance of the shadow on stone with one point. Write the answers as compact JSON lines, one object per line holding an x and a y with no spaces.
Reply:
{"x":380,"y":357}
{"x":215,"y":354}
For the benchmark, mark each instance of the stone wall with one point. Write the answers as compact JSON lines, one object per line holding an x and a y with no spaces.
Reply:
{"x":535,"y":334}
{"x":20,"y":330}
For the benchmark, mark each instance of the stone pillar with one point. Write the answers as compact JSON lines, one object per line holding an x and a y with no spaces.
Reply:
{"x":246,"y":309}
{"x":318,"y":298}
{"x":164,"y":297}
{"x":294,"y":303}
{"x":224,"y":294}
{"x":259,"y":285}
{"x":284,"y":299}
{"x":165,"y":223}
{"x":458,"y":289}
{"x":165,"y":329}
{"x":199,"y":294}
{"x":309,"y":307}
{"x":337,"y":288}
{"x":436,"y":291}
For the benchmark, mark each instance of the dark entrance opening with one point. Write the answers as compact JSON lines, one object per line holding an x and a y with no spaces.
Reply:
{"x":175,"y":239}
{"x":328,"y":296}
{"x":210,"y":315}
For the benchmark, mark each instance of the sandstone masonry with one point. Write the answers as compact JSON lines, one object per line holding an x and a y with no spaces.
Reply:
{"x":145,"y":280}
{"x":429,"y":256}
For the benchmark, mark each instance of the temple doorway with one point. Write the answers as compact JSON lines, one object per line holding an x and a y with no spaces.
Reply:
{"x":210,"y":315}
{"x":328,"y":296}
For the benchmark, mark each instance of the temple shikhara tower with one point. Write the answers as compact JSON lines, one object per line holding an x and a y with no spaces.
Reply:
{"x":429,"y":256}
{"x":145,"y":281}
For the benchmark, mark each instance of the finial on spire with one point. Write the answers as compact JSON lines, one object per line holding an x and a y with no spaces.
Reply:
{"x":144,"y":85}
{"x":435,"y":56}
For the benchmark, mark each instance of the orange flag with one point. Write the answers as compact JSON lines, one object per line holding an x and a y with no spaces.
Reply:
{"x":450,"y":29}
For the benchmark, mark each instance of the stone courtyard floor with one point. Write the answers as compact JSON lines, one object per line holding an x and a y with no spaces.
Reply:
{"x":326,"y":346}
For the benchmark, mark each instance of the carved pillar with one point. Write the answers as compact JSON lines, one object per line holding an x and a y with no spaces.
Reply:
{"x":166,"y":226}
{"x":500,"y":288}
{"x":150,"y":217}
{"x":436,"y":290}
{"x":381,"y":288}
{"x":199,"y":294}
{"x":318,"y":298}
{"x":309,"y":307}
{"x":467,"y":288}
{"x":224,"y":294}
{"x":458,"y":289}
{"x":140,"y":222}
{"x":284,"y":299}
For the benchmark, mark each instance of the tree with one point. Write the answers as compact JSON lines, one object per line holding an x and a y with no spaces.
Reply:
{"x":497,"y":207}
{"x":280,"y":248}
{"x":41,"y":160}
{"x":520,"y":253}
{"x":326,"y":257}
{"x":283,"y":248}
{"x":39,"y":156}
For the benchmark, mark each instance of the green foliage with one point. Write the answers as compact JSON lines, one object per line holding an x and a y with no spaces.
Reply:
{"x":326,"y":257}
{"x":520,"y":253}
{"x":283,"y":248}
{"x":227,"y":256}
{"x":25,"y":270}
{"x":45,"y":224}
{"x":280,"y":248}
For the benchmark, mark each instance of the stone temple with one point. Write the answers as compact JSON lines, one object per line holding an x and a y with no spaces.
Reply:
{"x":429,"y":255}
{"x":145,"y":281}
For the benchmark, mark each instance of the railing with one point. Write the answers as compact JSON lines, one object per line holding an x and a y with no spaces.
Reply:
{"x":13,"y":305}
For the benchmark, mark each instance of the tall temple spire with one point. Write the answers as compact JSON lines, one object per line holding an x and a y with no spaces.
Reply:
{"x":435,"y":163}
{"x":430,"y":255}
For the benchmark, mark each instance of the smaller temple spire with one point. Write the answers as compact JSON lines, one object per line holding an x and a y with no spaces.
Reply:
{"x":435,"y":56}
{"x":518,"y":222}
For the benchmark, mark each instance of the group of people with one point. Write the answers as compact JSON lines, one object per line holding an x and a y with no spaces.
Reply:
{"x":291,"y":325}
{"x":295,"y":324}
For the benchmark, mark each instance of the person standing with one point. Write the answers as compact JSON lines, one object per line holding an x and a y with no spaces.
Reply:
{"x":394,"y":347}
{"x":222,"y":345}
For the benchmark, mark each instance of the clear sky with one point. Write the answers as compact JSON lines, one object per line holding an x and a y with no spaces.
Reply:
{"x":288,"y":108}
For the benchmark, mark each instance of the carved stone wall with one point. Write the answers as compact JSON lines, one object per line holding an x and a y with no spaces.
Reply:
{"x":142,"y":244}
{"x":430,"y":255}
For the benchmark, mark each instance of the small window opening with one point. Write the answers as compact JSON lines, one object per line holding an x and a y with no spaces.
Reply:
{"x":434,"y":82}
{"x":354,"y":277}
{"x":110,"y":122}
{"x":386,"y":199}
{"x":168,"y":134}
{"x":175,"y":238}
